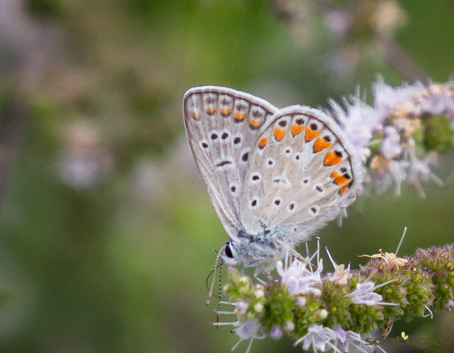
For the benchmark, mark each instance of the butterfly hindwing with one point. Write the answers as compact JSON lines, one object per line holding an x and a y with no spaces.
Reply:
{"x":302,"y":172}
{"x":222,"y":124}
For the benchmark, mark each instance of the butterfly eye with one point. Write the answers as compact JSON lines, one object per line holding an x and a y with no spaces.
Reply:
{"x":228,"y":251}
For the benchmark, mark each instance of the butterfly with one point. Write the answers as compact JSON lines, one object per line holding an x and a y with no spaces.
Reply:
{"x":273,"y":176}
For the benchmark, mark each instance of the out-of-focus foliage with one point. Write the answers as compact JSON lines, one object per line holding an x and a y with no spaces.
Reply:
{"x":105,"y":229}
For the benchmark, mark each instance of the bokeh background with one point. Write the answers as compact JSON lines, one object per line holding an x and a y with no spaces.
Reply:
{"x":106,"y":231}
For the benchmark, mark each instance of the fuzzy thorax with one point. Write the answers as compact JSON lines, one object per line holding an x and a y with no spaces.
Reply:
{"x":255,"y":251}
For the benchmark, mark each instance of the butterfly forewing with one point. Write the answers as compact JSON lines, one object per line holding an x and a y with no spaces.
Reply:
{"x":222,"y":125}
{"x":302,"y":172}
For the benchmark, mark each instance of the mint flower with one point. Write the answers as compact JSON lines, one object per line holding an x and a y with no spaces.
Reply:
{"x":298,"y":279}
{"x":359,"y":122}
{"x":388,"y":100}
{"x":364,"y":294}
{"x":399,"y":135}
{"x":391,"y":145}
{"x":276,"y":332}
{"x":338,"y":311}
{"x":318,"y":337}
{"x":438,"y":99}
{"x":249,"y":329}
{"x":345,"y":339}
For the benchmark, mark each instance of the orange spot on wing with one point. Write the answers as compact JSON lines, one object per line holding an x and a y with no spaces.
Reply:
{"x":239,"y":116}
{"x":254,"y":122}
{"x":320,"y":144}
{"x":343,"y":189}
{"x":334,"y":174}
{"x":225,"y":111}
{"x":295,"y":129}
{"x":340,"y":180}
{"x":210,"y":110}
{"x":263,"y":141}
{"x":194,"y":115}
{"x":279,"y":133}
{"x":331,"y":158}
{"x":310,"y":134}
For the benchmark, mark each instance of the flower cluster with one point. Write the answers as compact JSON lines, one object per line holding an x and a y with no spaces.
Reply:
{"x":399,"y":135}
{"x":339,"y":310}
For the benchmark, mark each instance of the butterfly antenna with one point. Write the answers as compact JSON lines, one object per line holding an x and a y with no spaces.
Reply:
{"x":401,"y":240}
{"x":218,"y":318}
{"x":210,"y":293}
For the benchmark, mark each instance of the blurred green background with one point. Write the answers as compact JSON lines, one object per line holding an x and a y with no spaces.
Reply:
{"x":106,"y":231}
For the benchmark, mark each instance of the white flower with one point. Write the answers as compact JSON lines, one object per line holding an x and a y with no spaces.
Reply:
{"x":241,"y":307}
{"x":358,"y":122}
{"x":319,"y":337}
{"x":259,"y":293}
{"x":258,"y":307}
{"x":289,"y":326}
{"x":340,"y":275}
{"x":298,"y":279}
{"x":399,"y":100}
{"x":381,"y":179}
{"x":346,"y":338}
{"x":437,"y":100}
{"x":398,"y":169}
{"x":323,"y":339}
{"x":300,"y":301}
{"x":249,"y":329}
{"x":276,"y":332}
{"x":364,"y":294}
{"x":391,"y":146}
{"x":421,"y":168}
{"x":448,"y":304}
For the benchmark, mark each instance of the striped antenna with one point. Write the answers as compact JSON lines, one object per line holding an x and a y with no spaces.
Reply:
{"x":218,"y":317}
{"x":210,"y":293}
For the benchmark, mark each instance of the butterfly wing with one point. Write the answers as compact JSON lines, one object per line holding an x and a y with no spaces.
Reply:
{"x":222,"y":124}
{"x":302,"y":172}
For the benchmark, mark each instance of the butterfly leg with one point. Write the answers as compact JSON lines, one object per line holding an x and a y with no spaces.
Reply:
{"x":256,"y":276}
{"x":291,"y":251}
{"x":268,"y":274}
{"x":265,"y":272}
{"x":297,"y":255}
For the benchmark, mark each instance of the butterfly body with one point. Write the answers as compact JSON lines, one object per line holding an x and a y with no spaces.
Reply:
{"x":263,"y":248}
{"x":274,"y":176}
